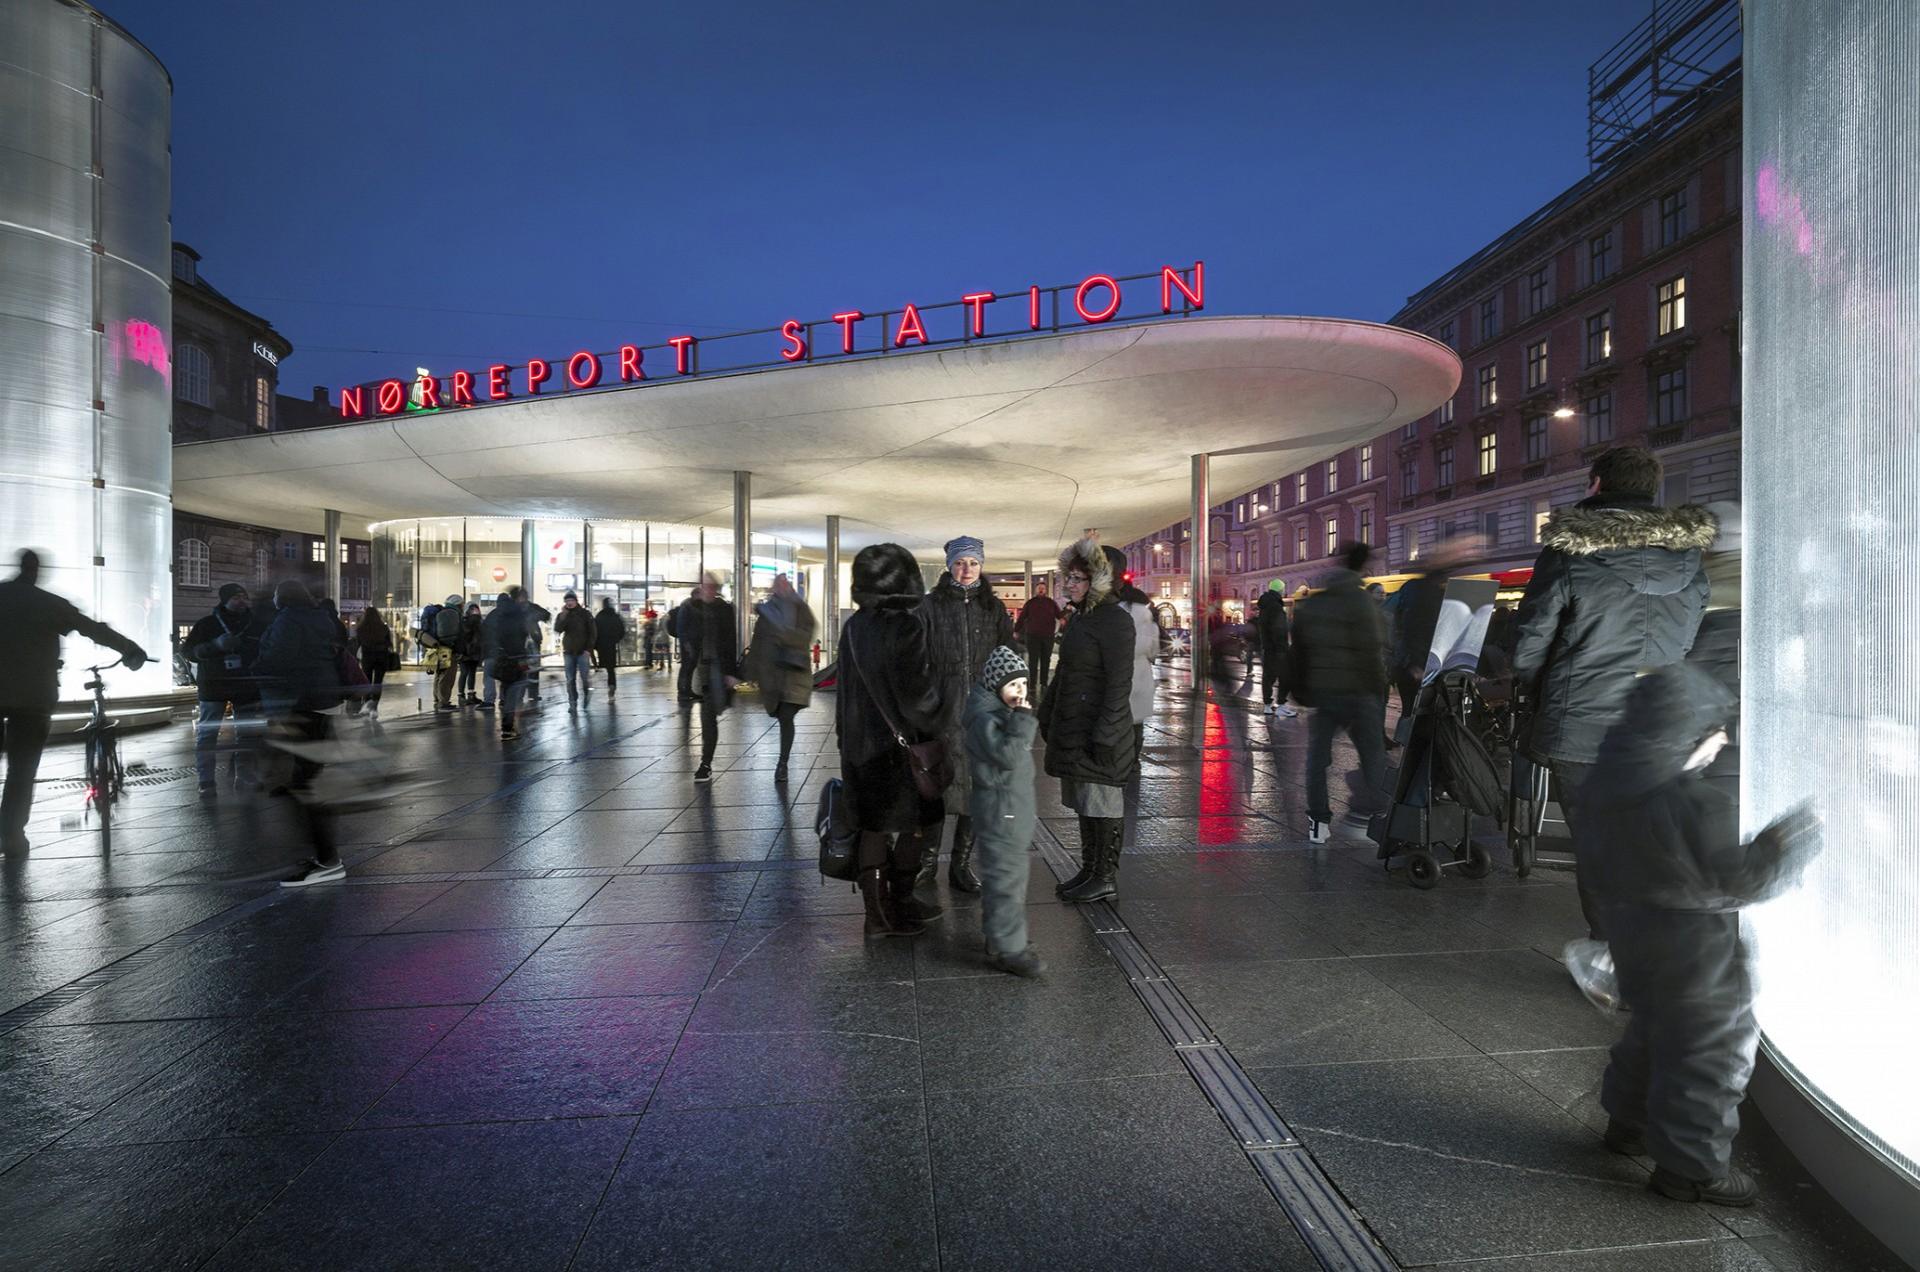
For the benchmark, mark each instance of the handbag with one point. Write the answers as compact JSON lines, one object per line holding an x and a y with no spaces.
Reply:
{"x":352,"y":675}
{"x":839,"y":837}
{"x":393,"y":660}
{"x":931,"y":766}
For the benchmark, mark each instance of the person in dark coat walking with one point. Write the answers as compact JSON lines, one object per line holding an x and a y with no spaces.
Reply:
{"x":373,"y":646}
{"x":507,"y":633}
{"x":1036,"y":627}
{"x":223,"y":646}
{"x":32,"y":621}
{"x":1000,"y":730}
{"x":1670,"y":876}
{"x":777,"y":657}
{"x":1617,"y":589}
{"x":469,"y":650}
{"x":712,"y":647}
{"x":1339,"y":669}
{"x":301,"y":690}
{"x":965,"y":622}
{"x":574,"y":626}
{"x":887,"y":681}
{"x":1270,"y":622}
{"x":1087,"y":719}
{"x":609,"y":629}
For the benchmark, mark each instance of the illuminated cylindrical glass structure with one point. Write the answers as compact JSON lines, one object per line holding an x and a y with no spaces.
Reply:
{"x":86,"y":322}
{"x":1832,"y":484}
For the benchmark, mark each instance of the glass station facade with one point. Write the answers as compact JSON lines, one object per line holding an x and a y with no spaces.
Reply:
{"x":638,"y":564}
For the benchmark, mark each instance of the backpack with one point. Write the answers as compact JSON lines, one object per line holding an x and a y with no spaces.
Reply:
{"x":429,"y":626}
{"x":446,"y":625}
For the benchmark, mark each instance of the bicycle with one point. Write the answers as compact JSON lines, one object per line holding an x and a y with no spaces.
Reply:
{"x":106,"y":777}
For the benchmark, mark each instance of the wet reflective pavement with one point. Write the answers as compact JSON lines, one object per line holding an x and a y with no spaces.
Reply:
{"x":571,"y":1009}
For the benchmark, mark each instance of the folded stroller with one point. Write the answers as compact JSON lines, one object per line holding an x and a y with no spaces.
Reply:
{"x":1446,"y":777}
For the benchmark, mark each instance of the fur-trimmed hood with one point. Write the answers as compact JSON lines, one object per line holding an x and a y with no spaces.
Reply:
{"x":885,"y":575}
{"x":1086,"y":554}
{"x":1600,"y":525}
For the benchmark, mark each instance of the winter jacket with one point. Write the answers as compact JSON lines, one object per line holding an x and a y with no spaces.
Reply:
{"x":505,"y":633}
{"x":609,"y":629}
{"x":1415,"y":616}
{"x":1653,"y":835}
{"x":779,"y":655}
{"x":574,"y":627}
{"x":884,"y":660}
{"x":372,"y":642}
{"x":299,"y":663}
{"x":964,"y":625}
{"x":1039,"y":619}
{"x":1270,"y":621}
{"x":1146,"y":642}
{"x":223,"y":647}
{"x":1087,"y":717}
{"x":707,"y":628}
{"x":1618,"y":588}
{"x":1000,"y":758}
{"x":32,"y":621}
{"x":471,"y":645}
{"x":1339,"y":642}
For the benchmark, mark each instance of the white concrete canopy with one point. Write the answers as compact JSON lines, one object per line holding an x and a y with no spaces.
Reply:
{"x":1021,"y":442}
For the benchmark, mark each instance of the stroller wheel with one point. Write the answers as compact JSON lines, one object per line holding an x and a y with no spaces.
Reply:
{"x":1521,"y":844}
{"x":1474,"y":863}
{"x":1422,"y":870}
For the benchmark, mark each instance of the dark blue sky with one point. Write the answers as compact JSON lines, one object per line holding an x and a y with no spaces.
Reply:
{"x":444,"y":184}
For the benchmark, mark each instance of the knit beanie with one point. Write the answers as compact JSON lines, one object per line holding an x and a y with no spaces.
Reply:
{"x":230,"y":590}
{"x":1003,"y":665}
{"x":965,"y":546}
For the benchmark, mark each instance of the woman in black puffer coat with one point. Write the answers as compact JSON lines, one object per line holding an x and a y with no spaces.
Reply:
{"x":885,"y":673}
{"x":1087,"y":718}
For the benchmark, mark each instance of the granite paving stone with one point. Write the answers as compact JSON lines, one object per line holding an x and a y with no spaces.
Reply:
{"x":618,"y":960}
{"x":1500,"y":1000}
{"x":1003,"y":1031}
{"x":501,"y":903}
{"x":417,"y":969}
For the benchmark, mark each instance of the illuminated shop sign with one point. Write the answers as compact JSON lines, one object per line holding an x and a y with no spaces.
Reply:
{"x":265,"y":354}
{"x":979,"y":315}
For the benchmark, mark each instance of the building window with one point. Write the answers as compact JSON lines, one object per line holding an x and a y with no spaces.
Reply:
{"x":1333,"y":476}
{"x":260,"y":559}
{"x":192,"y":375}
{"x":1490,"y":529}
{"x":1300,"y":488}
{"x":1411,"y":431}
{"x":1363,"y":525}
{"x":1670,"y":396}
{"x":1671,"y":312}
{"x":288,"y":550}
{"x":195,"y":567}
{"x":1300,"y":543}
{"x":1539,"y":289}
{"x":356,"y":587}
{"x":1409,"y":477}
{"x":1542,"y":509}
{"x":1239,"y":561}
{"x":1443,"y":466}
{"x":1599,"y":336}
{"x":1600,"y":256}
{"x":1536,"y":427}
{"x":1489,"y":317}
{"x":1489,"y":453}
{"x":362,"y":553}
{"x":1366,"y":462}
{"x":1596,"y":420}
{"x":183,"y":267}
{"x":319,"y":550}
{"x":1240,"y":512}
{"x":1673,"y":216}
{"x":1446,"y":414}
{"x":1446,"y":333}
{"x":1675,"y":488}
{"x":1537,"y":364}
{"x":1333,"y":535}
{"x":262,"y":402}
{"x":1489,"y":385}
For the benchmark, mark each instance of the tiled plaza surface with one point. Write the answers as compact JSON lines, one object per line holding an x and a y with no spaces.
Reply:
{"x":572,"y":1010}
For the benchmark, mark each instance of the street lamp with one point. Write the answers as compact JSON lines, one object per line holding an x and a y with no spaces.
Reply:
{"x":1563,"y":413}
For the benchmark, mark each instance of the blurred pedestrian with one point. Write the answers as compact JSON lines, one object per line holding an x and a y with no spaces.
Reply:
{"x":1716,"y":647}
{"x":708,"y":634}
{"x":373,"y":645}
{"x":965,"y":622}
{"x":1339,"y":669}
{"x":223,"y":646}
{"x":1036,"y":627}
{"x":301,"y":690}
{"x":1270,"y":623}
{"x":1670,"y":875}
{"x":507,"y":633}
{"x":1416,"y":612}
{"x":1087,"y":719}
{"x":887,"y":699}
{"x":1146,"y":637}
{"x":609,"y":629}
{"x":1000,"y":730}
{"x":777,"y":662}
{"x":1618,"y":588}
{"x":649,"y":632}
{"x":469,"y":651}
{"x":439,"y":628}
{"x":574,"y":626}
{"x":677,"y":639}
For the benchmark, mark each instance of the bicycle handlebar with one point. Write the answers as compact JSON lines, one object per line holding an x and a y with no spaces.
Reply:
{"x":108,"y":666}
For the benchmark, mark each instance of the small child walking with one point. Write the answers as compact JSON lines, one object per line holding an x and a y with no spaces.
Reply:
{"x":1672,"y":874}
{"x":1000,"y":729}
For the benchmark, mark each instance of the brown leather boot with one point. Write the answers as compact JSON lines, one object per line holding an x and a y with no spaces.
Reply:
{"x":883,"y":916}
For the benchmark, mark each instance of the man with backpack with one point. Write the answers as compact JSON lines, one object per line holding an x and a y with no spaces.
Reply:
{"x":439,"y":633}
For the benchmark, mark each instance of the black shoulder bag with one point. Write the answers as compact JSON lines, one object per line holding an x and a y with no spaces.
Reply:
{"x":929,"y":762}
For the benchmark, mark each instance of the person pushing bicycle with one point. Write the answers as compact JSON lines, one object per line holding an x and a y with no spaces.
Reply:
{"x":32,"y":621}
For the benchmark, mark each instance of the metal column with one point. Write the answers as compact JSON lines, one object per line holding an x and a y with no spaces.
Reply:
{"x":1029,"y":569}
{"x":332,"y":532}
{"x":529,"y":550}
{"x":742,"y":556}
{"x":830,"y":607}
{"x":1199,"y":570}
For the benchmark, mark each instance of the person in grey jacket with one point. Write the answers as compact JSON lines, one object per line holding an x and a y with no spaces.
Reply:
{"x":1000,"y":729}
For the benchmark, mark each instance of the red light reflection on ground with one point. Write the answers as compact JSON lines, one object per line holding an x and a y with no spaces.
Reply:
{"x":1217,"y":779}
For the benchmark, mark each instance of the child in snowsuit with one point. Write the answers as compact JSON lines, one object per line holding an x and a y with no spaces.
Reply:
{"x":1000,"y":730}
{"x":1672,"y":875}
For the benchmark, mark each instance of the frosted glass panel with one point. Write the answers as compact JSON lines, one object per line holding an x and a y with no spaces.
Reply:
{"x":1832,"y":481}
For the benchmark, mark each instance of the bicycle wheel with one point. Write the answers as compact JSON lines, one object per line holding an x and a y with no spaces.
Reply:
{"x":103,"y":785}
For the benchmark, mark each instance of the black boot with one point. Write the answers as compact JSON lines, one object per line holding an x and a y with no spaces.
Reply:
{"x":960,"y":874}
{"x":1099,"y":885}
{"x":883,"y":916}
{"x":927,"y":873}
{"x":909,"y":906}
{"x":1087,"y":857}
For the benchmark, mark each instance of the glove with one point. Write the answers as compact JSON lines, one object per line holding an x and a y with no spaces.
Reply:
{"x":227,"y":642}
{"x":136,"y":659}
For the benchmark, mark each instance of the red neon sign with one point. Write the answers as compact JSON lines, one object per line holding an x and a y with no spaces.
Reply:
{"x":585,"y":369}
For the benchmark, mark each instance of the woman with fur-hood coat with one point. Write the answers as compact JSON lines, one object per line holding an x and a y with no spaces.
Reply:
{"x":1087,"y":718}
{"x":885,"y":672}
